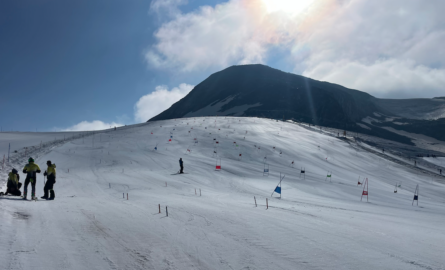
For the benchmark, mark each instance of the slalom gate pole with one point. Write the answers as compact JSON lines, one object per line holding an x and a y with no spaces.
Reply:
{"x":254,"y":200}
{"x":123,"y":195}
{"x":267,"y":204}
{"x":127,"y":196}
{"x":166,"y":211}
{"x":159,"y":205}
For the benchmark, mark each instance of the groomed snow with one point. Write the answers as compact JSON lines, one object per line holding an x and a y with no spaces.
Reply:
{"x":440,"y":161}
{"x":317,"y":224}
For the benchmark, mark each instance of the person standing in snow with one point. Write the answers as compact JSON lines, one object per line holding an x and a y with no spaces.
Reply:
{"x":50,"y":173}
{"x":14,"y":184}
{"x":181,"y":164}
{"x":31,"y":169}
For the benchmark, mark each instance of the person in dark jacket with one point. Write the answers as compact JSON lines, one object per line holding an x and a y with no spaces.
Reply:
{"x":50,"y":173}
{"x":14,"y":185}
{"x":181,"y":164}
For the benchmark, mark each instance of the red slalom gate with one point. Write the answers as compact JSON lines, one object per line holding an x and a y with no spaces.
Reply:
{"x":218,"y":165}
{"x":365,"y":192}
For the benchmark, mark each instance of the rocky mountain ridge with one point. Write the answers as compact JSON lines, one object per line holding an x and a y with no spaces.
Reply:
{"x":261,"y":91}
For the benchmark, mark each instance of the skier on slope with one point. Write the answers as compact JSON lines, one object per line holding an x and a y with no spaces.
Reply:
{"x":50,"y":173}
{"x":181,"y":164}
{"x":31,"y":169}
{"x":14,"y":184}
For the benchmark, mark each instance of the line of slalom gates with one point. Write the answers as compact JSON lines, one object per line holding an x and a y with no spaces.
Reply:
{"x":218,"y":167}
{"x":303,"y":172}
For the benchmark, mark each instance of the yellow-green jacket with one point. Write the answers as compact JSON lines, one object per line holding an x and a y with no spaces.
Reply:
{"x":13,"y":179}
{"x":51,"y":171}
{"x":31,"y":169}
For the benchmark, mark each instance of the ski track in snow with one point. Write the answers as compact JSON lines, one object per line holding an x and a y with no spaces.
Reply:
{"x":318,"y":223}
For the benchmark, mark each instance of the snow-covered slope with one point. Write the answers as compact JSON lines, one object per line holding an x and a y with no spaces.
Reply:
{"x":316,"y":224}
{"x":20,"y":140}
{"x":416,"y":108}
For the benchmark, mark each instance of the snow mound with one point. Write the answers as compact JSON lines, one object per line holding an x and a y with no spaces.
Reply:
{"x":213,"y":222}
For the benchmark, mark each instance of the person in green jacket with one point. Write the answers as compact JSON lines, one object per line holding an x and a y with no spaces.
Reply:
{"x":50,"y":173}
{"x":14,"y":184}
{"x":31,"y":169}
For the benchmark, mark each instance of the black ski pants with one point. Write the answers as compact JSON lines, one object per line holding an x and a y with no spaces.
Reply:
{"x":182,"y":169}
{"x":33,"y":186}
{"x":14,"y":190}
{"x":49,"y":185}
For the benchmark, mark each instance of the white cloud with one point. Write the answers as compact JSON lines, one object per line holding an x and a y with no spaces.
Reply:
{"x":218,"y":36}
{"x":93,"y":125}
{"x":147,"y":106}
{"x":327,"y":39}
{"x":159,"y":100}
{"x":389,"y":78}
{"x":166,"y":7}
{"x":389,"y":49}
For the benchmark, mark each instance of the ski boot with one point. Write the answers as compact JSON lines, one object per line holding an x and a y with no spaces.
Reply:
{"x":52,"y":195}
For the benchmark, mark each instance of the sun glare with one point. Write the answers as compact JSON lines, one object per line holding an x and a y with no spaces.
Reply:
{"x":290,"y":6}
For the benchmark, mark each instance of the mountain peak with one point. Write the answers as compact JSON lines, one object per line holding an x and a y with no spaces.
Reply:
{"x":261,"y":91}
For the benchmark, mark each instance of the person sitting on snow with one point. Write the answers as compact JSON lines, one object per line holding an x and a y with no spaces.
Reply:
{"x":14,"y":185}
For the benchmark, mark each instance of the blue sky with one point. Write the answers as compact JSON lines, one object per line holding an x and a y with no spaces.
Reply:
{"x":64,"y":62}
{"x":88,"y":64}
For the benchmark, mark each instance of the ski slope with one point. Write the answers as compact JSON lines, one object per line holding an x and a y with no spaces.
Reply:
{"x":318,"y":223}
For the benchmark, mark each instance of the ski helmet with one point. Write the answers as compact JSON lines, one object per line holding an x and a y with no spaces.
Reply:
{"x":30,"y":159}
{"x":14,"y":171}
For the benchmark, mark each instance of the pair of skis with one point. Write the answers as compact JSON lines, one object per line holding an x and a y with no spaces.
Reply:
{"x":35,"y":198}
{"x":32,"y":199}
{"x":178,"y":173}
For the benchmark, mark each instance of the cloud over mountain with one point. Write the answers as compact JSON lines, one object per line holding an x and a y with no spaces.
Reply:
{"x":388,"y":48}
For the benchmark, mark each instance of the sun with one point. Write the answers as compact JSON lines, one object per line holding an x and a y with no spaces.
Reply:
{"x":290,"y":6}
